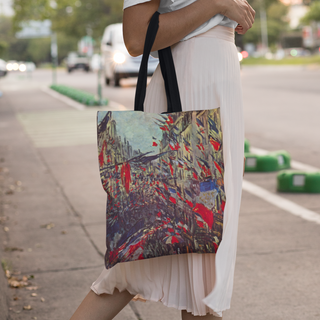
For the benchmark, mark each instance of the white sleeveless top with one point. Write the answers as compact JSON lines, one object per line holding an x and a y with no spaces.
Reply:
{"x":173,"y":5}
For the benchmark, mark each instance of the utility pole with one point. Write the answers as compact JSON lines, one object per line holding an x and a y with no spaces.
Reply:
{"x":99,"y":81}
{"x":264,"y":28}
{"x":54,"y":56}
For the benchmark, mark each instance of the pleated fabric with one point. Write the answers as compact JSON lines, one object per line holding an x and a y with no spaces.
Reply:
{"x":208,"y":74}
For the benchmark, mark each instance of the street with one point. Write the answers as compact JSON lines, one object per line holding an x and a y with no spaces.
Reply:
{"x":52,"y":204}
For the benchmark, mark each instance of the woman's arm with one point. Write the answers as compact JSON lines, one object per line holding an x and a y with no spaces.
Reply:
{"x":174,"y":26}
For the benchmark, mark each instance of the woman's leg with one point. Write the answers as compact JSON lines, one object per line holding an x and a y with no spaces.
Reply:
{"x":102,"y":307}
{"x":188,"y":316}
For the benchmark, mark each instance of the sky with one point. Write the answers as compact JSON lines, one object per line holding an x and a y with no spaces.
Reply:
{"x":6,"y":7}
{"x":138,"y":128}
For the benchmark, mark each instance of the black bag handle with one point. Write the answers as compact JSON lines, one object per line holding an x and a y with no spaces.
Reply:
{"x":167,"y":70}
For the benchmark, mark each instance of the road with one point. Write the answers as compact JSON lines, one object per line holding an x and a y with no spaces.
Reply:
{"x":277,"y":273}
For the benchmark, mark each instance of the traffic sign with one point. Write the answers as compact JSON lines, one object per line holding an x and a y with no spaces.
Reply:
{"x":34,"y":29}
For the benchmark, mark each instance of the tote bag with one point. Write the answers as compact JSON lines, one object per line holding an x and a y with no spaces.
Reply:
{"x":163,"y":173}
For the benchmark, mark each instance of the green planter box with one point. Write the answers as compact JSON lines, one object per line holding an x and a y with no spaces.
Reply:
{"x":273,"y":161}
{"x":80,"y":96}
{"x":298,"y":181}
{"x":246,"y":146}
{"x":284,"y":159}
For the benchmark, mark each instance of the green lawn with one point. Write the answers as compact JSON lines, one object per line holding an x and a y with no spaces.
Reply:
{"x":284,"y":61}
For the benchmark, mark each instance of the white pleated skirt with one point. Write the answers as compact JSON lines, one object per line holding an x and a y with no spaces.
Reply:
{"x":208,"y":74}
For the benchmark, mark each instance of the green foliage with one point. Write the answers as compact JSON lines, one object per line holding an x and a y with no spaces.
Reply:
{"x":276,"y":22}
{"x":71,"y":19}
{"x":39,"y":50}
{"x":6,"y":265}
{"x":36,"y":50}
{"x":75,"y":18}
{"x":313,"y":14}
{"x":79,"y":95}
{"x":3,"y":47}
{"x":6,"y":36}
{"x":311,"y":60}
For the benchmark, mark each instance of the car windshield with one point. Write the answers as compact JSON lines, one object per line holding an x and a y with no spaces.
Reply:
{"x":75,"y":55}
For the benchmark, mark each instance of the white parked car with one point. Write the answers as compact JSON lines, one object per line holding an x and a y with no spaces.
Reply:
{"x":26,"y":66}
{"x":13,"y":65}
{"x":20,"y":66}
{"x":76,"y":60}
{"x":117,"y":62}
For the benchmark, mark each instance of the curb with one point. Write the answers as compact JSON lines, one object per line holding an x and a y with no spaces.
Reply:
{"x":70,"y":102}
{"x":112,"y":105}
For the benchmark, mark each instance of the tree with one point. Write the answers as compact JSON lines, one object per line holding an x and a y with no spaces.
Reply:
{"x":276,"y":21}
{"x":313,"y":14}
{"x":36,"y":50}
{"x":3,"y":48}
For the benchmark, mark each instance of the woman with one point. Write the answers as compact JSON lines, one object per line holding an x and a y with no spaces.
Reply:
{"x":201,"y":34}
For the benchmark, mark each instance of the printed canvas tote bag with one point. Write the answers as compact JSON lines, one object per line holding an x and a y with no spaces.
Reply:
{"x":163,"y":173}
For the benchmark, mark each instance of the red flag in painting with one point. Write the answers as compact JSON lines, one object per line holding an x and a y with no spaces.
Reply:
{"x":126,"y":176}
{"x":218,"y":167}
{"x":205,"y":213}
{"x":215,"y":144}
{"x":101,"y":154}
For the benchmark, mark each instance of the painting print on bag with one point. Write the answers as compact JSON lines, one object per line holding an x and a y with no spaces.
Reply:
{"x":163,"y":174}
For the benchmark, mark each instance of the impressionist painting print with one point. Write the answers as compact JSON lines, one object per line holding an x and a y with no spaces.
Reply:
{"x":163,"y":174}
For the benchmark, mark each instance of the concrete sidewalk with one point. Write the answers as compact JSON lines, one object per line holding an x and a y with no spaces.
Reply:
{"x":52,"y":211}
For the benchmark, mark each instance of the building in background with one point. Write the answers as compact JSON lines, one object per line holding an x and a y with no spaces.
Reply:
{"x":297,"y":9}
{"x":309,"y":36}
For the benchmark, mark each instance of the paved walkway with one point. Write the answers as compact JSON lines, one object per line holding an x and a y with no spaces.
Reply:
{"x":52,"y":208}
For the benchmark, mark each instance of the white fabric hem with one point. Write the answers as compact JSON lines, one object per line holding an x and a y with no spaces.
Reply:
{"x":216,"y":314}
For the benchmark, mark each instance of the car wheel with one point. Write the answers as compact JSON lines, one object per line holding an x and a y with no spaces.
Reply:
{"x":69,"y":70}
{"x":116,"y":79}
{"x":86,"y":69}
{"x":107,"y":81}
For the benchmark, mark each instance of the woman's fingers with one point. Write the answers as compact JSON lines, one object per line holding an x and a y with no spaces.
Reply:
{"x":241,"y":12}
{"x":245,"y":25}
{"x":252,"y":14}
{"x":248,"y":18}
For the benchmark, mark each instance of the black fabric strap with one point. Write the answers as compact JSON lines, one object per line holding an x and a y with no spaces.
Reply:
{"x":170,"y":80}
{"x":167,"y":70}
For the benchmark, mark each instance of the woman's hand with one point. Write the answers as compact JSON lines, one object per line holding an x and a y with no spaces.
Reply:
{"x":239,"y":11}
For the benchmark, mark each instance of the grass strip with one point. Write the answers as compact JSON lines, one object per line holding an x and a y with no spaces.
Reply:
{"x":284,"y":61}
{"x":78,"y":95}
